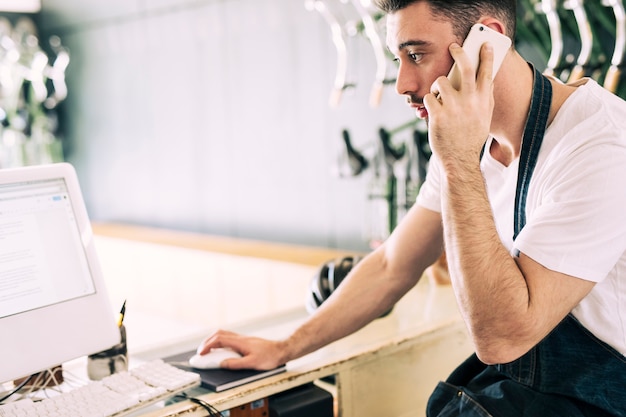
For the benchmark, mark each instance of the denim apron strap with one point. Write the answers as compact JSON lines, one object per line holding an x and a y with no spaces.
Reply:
{"x":534,"y":130}
{"x":570,"y":373}
{"x":532,"y":138}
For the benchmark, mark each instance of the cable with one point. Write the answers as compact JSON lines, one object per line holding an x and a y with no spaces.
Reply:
{"x":213,"y":412}
{"x":17,"y":388}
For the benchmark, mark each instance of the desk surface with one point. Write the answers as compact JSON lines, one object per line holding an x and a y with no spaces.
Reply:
{"x":147,"y":267}
{"x":425,"y":312}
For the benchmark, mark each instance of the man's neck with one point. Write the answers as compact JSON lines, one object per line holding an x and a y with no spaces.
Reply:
{"x":513,"y":97}
{"x":513,"y":93}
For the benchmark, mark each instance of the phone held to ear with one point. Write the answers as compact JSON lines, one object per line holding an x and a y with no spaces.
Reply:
{"x":478,"y":35}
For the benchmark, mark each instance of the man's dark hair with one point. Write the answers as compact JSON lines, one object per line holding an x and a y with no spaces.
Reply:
{"x":461,"y":13}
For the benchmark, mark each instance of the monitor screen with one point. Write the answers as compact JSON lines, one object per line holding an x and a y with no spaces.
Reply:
{"x":53,"y":303}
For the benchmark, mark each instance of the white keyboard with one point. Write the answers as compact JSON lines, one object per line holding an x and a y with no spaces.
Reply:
{"x":115,"y":395}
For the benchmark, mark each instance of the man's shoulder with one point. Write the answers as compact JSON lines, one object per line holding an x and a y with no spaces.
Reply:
{"x":591,"y":90}
{"x":592,"y":108}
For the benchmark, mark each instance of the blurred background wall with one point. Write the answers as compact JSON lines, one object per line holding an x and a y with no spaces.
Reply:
{"x":213,"y":116}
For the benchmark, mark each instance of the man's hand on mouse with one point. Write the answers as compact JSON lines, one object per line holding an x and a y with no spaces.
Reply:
{"x":257,"y":353}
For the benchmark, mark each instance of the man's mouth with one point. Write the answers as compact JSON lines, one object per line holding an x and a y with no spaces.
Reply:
{"x":418,"y":105}
{"x":421,"y":112}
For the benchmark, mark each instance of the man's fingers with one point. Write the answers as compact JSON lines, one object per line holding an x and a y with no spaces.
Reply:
{"x":239,"y":363}
{"x":485,"y":67}
{"x":219,"y":339}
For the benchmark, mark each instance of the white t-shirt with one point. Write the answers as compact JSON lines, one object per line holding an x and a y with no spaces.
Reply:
{"x":575,"y":207}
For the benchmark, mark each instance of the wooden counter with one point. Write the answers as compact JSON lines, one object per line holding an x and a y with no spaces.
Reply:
{"x":305,"y":255}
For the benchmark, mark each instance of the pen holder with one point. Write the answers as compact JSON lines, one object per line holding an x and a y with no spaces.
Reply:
{"x":110,"y":361}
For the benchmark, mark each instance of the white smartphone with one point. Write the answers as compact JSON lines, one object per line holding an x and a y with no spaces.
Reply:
{"x":478,"y":35}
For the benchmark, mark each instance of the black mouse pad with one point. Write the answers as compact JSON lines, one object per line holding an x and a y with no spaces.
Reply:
{"x":221,"y":379}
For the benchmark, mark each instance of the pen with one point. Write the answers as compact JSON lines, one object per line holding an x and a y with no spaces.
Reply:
{"x":120,"y":317}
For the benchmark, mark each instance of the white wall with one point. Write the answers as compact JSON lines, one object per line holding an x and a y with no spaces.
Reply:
{"x":213,"y":116}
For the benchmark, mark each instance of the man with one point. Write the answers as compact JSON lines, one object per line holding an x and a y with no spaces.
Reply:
{"x":525,"y":191}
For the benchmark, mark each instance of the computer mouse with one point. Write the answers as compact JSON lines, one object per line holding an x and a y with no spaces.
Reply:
{"x":213,"y":359}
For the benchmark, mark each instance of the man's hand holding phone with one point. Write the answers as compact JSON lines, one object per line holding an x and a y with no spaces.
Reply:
{"x":478,"y":36}
{"x":461,"y":105}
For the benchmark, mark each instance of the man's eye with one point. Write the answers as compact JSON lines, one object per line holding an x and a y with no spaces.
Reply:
{"x":415,"y":57}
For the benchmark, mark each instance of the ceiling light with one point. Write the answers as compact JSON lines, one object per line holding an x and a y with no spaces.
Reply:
{"x":20,"y":6}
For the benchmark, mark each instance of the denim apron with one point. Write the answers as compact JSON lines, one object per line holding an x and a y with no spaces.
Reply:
{"x":570,"y":373}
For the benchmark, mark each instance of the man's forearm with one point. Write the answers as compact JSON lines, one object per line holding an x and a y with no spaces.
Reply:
{"x":363,"y":296}
{"x":487,"y":281}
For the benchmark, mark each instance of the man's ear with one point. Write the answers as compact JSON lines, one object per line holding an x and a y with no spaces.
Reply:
{"x":494,"y":24}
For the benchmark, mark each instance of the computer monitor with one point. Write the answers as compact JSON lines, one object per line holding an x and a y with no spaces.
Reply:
{"x":53,"y":303}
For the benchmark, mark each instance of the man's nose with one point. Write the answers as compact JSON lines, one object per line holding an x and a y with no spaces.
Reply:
{"x":406,"y":81}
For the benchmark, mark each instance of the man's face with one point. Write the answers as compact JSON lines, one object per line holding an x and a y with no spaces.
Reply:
{"x":420,"y":44}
